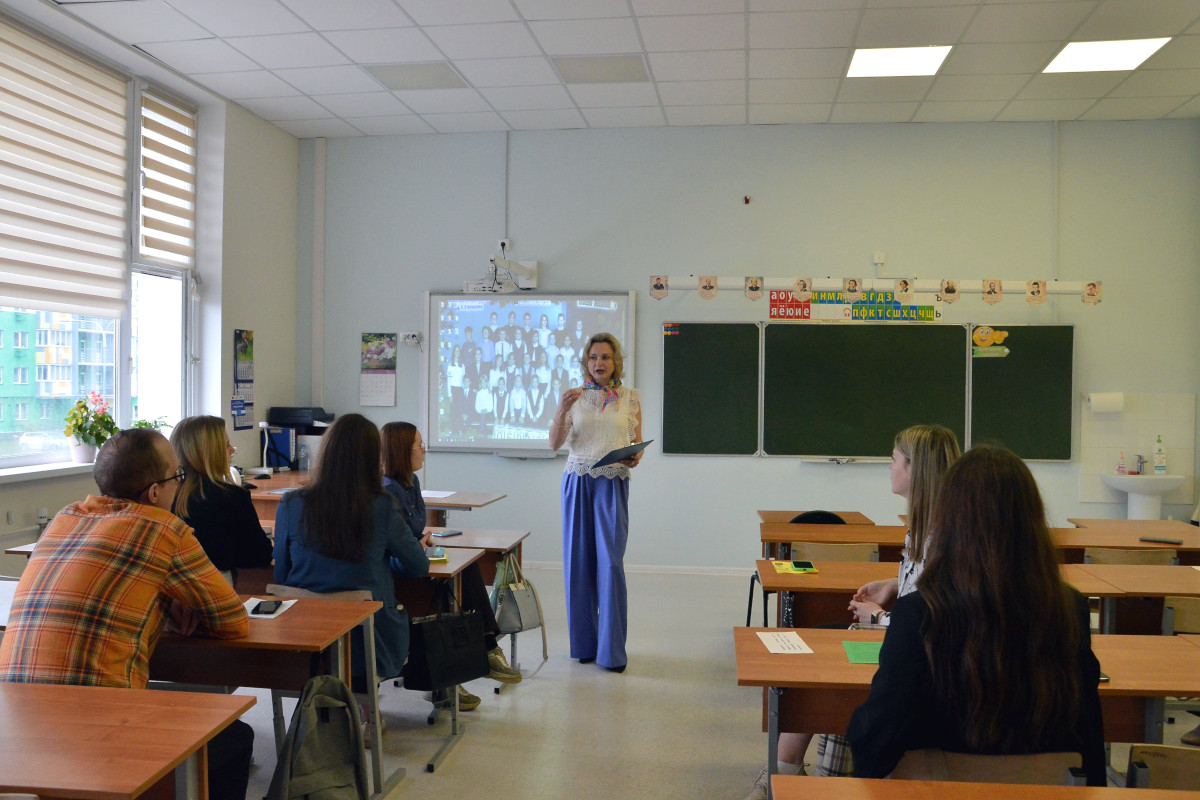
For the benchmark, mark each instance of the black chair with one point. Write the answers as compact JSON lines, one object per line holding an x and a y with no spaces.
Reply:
{"x":805,"y":518}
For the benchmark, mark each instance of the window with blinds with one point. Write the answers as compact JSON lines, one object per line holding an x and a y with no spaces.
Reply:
{"x":63,"y":194}
{"x":167,"y":200}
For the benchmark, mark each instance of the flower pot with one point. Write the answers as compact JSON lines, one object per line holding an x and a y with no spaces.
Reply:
{"x":82,"y":453}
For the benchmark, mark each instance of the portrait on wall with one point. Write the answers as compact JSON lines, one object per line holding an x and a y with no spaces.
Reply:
{"x":1092,"y":291}
{"x":1035,"y":292}
{"x":708,"y":286}
{"x":993,"y":291}
{"x":802,"y":289}
{"x":852,"y":289}
{"x":658,"y":286}
{"x":754,"y":287}
{"x":949,"y":292}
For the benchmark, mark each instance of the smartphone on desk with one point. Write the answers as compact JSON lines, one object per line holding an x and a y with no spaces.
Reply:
{"x":266,"y":608}
{"x":444,"y":534}
{"x":803,"y":566}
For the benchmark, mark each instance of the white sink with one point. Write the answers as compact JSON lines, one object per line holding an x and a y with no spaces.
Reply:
{"x":1145,"y":491}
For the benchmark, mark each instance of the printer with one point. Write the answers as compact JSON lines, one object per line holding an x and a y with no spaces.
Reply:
{"x":307,"y":420}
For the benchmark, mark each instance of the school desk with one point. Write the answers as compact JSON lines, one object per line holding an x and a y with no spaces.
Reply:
{"x":822,"y":597}
{"x":21,"y":550}
{"x":436,"y":507}
{"x":890,"y":538}
{"x":801,"y":787}
{"x":1151,"y":582}
{"x":849,"y":517}
{"x":268,"y":491}
{"x":1144,"y":527}
{"x":818,"y":691}
{"x":98,"y":743}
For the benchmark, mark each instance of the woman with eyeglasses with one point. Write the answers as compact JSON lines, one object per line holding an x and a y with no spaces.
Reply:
{"x":220,"y":511}
{"x":403,"y":455}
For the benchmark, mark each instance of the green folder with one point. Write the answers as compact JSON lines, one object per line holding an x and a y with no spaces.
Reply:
{"x":862,"y":652}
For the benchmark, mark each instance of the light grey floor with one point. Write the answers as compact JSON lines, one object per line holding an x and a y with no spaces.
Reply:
{"x":674,"y":725}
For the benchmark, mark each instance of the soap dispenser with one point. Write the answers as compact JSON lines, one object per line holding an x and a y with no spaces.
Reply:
{"x":1121,"y":463}
{"x":1160,"y":457}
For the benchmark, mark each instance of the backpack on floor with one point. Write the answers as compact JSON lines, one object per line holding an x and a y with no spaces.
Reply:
{"x":323,"y":757}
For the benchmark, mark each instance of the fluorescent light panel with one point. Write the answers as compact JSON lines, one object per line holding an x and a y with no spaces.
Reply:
{"x":1112,"y":56}
{"x":895,"y":62}
{"x":429,"y":75}
{"x":602,"y":69}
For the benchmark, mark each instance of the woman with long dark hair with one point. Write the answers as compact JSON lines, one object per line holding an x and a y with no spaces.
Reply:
{"x":343,"y":532}
{"x":992,"y":653}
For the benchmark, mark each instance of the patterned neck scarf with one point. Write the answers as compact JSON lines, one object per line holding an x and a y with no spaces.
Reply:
{"x":608,"y":391}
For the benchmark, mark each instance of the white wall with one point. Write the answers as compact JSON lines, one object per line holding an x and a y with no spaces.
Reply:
{"x":606,"y":209}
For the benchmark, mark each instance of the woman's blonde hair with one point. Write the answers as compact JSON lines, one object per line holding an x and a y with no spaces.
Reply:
{"x":202,"y":448}
{"x":618,"y":357}
{"x":930,"y":450}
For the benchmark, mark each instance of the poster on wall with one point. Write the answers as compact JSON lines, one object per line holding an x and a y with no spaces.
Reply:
{"x":241,"y":405}
{"x":377,"y":378}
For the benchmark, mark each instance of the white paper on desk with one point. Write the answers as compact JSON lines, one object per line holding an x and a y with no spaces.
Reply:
{"x":784,"y":642}
{"x":284,"y":605}
{"x":1195,"y":567}
{"x":284,"y":490}
{"x":429,"y":494}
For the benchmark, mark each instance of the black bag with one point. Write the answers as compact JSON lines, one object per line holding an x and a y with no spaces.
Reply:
{"x":445,"y":650}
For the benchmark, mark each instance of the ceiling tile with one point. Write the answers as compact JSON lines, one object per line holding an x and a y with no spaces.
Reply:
{"x":228,"y":18}
{"x":1027,"y":23}
{"x":816,"y":62}
{"x":385,"y":45}
{"x":329,"y":80}
{"x":1043,"y":110}
{"x":973,"y":111}
{"x":658,"y":8}
{"x":624,"y":117}
{"x":1188,"y":110}
{"x":1064,"y":85}
{"x":1179,"y":53}
{"x":502,"y":40}
{"x":912,"y":27}
{"x":806,"y":5}
{"x":290,"y":50}
{"x":911,"y":3}
{"x":799,"y":113}
{"x":571,"y":9}
{"x":467,"y":123}
{"x":317,"y":128}
{"x":528,"y":98}
{"x":459,"y":12}
{"x":702,"y":93}
{"x":144,"y":21}
{"x":251,"y":83}
{"x":397,"y":125}
{"x":988,"y":58}
{"x":443,"y":101}
{"x":694,"y":32}
{"x":277,"y":108}
{"x":557,"y":119}
{"x":706,"y":115}
{"x":362,"y":104}
{"x":872,"y":112}
{"x":883,"y":90}
{"x":609,"y":95}
{"x":1133,"y":108}
{"x":966,"y":88}
{"x":1160,"y":83}
{"x":1137,"y":19}
{"x":587,"y":37}
{"x":324,"y":15}
{"x":710,"y":66}
{"x":483,"y":72}
{"x":820,"y":90}
{"x":201,"y":55}
{"x":803,"y":29}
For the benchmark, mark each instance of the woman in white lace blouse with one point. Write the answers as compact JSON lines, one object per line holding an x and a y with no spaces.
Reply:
{"x":600,"y":416}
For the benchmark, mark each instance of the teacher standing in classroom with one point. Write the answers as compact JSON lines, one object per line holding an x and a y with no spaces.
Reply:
{"x":592,"y":420}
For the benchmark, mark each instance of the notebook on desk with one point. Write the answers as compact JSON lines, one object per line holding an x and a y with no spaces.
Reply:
{"x":436,"y":555}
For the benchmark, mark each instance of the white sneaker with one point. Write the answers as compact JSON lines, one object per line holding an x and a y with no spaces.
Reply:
{"x":760,"y":787}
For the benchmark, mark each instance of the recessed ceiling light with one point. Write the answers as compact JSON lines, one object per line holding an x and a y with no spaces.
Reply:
{"x":894,"y":62}
{"x":1104,"y":56}
{"x":602,"y":69}
{"x":430,"y":75}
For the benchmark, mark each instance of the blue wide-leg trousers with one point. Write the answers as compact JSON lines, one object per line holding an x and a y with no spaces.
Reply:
{"x":595,"y":531}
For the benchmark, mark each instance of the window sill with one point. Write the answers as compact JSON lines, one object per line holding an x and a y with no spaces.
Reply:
{"x":36,"y":472}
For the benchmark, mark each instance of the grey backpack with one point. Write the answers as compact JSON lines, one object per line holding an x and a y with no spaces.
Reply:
{"x":323,"y":756}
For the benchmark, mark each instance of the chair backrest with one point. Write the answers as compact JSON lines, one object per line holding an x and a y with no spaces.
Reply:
{"x":282,"y":590}
{"x":817,"y":518}
{"x":1034,"y":768}
{"x":1160,"y":766}
{"x":814,"y":551}
{"x":1105,"y":555}
{"x":1181,"y":615}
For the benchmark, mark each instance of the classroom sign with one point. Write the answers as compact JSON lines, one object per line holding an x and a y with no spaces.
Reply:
{"x":872,"y":306}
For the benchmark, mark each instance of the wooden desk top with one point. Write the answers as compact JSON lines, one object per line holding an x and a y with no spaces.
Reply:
{"x":458,"y":559}
{"x":1147,"y":580}
{"x":799,"y":787}
{"x":832,"y":534}
{"x":1125,"y":538}
{"x":1144,"y":527}
{"x":851,"y":517}
{"x":21,"y":550}
{"x":490,"y":539}
{"x":312,"y":626}
{"x":264,"y":487}
{"x":462,"y":501}
{"x":1190,"y":638}
{"x":99,"y":743}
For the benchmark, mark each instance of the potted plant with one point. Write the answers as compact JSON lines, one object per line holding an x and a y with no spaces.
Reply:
{"x":89,"y":424}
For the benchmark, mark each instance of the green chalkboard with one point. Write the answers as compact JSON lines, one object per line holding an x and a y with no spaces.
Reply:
{"x":710,"y":388}
{"x":847,"y":390}
{"x":1023,"y":400}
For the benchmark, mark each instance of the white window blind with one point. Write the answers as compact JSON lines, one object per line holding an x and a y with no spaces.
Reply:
{"x":167,"y":216}
{"x":63,"y":197}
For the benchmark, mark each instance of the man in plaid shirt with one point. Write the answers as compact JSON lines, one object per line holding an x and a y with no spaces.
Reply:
{"x":108,"y":575}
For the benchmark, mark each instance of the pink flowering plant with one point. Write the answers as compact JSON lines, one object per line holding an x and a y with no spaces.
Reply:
{"x":89,"y":421}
